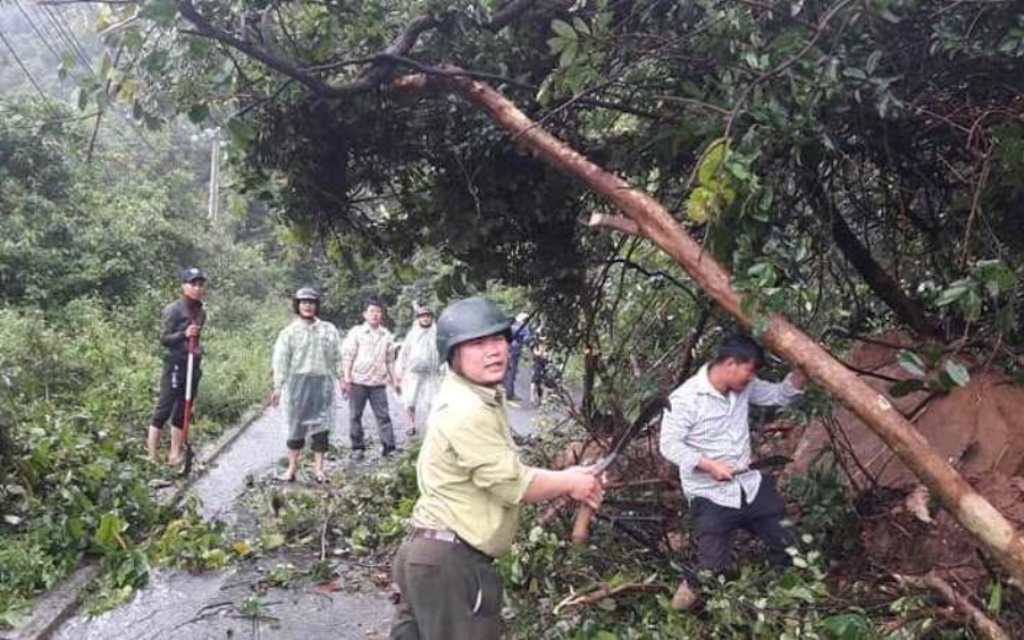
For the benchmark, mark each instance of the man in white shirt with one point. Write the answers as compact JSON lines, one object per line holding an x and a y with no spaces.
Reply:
{"x":707,"y":434}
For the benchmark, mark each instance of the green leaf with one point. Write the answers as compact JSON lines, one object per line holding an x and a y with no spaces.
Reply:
{"x":242,"y":133}
{"x":712,"y":162}
{"x":162,"y":12}
{"x":198,"y":113}
{"x":83,"y":99}
{"x":995,"y":599}
{"x":563,"y":29}
{"x":953,"y":293}
{"x":568,"y":55}
{"x":847,"y":626}
{"x":109,"y":530}
{"x":580,"y":26}
{"x":889,"y":16}
{"x":905,"y":387}
{"x":156,"y":62}
{"x":957,"y":372}
{"x":911,"y":363}
{"x":106,"y":66}
{"x":873,"y":60}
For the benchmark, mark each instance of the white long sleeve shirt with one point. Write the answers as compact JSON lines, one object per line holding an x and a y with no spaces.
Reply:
{"x":702,"y":422}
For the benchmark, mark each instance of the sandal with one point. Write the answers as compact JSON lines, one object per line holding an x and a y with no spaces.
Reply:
{"x":284,"y":477}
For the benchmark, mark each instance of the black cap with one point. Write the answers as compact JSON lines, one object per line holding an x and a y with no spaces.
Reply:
{"x":193,"y":273}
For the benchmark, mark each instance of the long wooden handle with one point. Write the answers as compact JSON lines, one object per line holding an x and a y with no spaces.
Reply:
{"x":581,"y":525}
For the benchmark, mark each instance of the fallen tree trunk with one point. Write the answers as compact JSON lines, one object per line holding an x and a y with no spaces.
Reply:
{"x":971,"y":509}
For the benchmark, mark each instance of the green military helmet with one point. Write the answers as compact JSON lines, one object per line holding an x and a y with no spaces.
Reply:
{"x":469,"y":319}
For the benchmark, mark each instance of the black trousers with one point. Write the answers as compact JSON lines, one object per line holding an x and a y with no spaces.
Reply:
{"x":172,"y":393}
{"x":715,"y":525}
{"x":378,"y":397}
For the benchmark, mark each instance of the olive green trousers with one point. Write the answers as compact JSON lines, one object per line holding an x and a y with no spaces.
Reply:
{"x":449,"y":591}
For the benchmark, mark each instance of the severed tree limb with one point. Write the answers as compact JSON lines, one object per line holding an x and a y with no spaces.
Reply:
{"x":986,"y":627}
{"x":976,"y":514}
{"x":605,"y":591}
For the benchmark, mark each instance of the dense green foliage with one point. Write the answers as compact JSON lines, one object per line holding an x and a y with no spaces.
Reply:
{"x":89,"y":254}
{"x":801,"y":139}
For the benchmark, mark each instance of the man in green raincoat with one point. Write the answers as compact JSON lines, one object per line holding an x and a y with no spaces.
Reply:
{"x":306,"y":362}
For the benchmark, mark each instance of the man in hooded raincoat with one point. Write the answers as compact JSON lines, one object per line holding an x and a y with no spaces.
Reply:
{"x":306,"y":362}
{"x":419,"y":366}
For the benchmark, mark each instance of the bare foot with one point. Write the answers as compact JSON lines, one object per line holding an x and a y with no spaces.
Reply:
{"x":287,"y":476}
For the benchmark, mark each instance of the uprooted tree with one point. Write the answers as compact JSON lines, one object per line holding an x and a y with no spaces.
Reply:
{"x":799,"y":139}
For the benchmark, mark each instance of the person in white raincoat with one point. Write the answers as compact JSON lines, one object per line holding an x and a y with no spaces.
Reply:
{"x":306,"y":363}
{"x":419,"y":366}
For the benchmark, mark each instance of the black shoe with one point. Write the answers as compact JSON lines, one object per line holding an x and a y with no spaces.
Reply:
{"x":388,"y":452}
{"x":358,"y":455}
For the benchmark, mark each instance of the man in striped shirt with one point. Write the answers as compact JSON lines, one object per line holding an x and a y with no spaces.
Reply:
{"x":706,"y":433}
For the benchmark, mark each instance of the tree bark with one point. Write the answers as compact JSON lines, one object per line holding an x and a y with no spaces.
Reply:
{"x":971,"y":509}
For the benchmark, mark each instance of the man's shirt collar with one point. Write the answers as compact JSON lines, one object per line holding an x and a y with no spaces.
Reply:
{"x":491,"y":396}
{"x":704,"y":385}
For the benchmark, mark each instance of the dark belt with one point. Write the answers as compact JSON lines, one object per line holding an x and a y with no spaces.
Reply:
{"x":441,"y":535}
{"x":444,"y":535}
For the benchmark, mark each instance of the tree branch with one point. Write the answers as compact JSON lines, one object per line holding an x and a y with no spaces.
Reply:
{"x":618,"y":223}
{"x":205,"y":29}
{"x":986,"y":627}
{"x":382,"y":64}
{"x":653,"y":274}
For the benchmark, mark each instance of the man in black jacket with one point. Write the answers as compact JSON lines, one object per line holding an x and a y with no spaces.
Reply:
{"x":182,"y":319}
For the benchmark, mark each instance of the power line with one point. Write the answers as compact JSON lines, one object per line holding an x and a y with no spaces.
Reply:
{"x":62,"y":32}
{"x":21,"y":64}
{"x":35,"y":29}
{"x":66,"y":34}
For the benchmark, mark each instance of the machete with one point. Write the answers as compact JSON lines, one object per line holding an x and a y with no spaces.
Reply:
{"x":581,"y":525}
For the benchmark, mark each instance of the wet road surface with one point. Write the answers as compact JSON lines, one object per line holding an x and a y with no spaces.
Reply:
{"x":178,"y":605}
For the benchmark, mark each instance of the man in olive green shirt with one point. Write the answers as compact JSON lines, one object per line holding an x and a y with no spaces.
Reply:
{"x":471,"y":484}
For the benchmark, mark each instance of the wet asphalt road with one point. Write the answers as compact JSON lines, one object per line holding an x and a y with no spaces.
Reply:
{"x":178,"y":605}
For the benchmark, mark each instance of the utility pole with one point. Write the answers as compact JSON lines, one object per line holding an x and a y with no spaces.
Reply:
{"x":214,"y":178}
